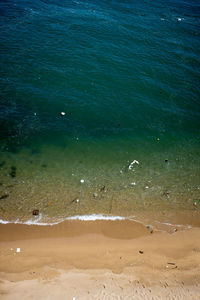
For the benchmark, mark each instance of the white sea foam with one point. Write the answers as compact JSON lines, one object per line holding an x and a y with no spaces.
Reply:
{"x":36,"y":221}
{"x":95,"y":217}
{"x":174,"y":225}
{"x":30,"y":222}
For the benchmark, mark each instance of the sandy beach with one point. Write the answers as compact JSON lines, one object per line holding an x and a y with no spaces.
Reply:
{"x":99,"y":260}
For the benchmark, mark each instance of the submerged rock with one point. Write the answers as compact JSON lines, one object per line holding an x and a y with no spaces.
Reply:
{"x":13,"y":171}
{"x":4,"y":196}
{"x":2,"y":163}
{"x":35,"y":212}
{"x":102,"y":189}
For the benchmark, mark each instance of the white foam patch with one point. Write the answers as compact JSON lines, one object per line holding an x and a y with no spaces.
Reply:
{"x":93,"y":217}
{"x":36,"y":221}
{"x":96,"y":217}
{"x":30,"y":222}
{"x":174,"y":225}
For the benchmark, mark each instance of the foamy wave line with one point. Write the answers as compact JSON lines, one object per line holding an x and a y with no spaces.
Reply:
{"x":174,"y":225}
{"x":36,"y":221}
{"x":95,"y":217}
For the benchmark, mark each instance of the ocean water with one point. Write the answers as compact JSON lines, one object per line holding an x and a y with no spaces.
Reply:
{"x":99,"y":108}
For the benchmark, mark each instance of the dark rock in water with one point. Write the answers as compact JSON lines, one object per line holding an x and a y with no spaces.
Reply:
{"x":102,"y":188}
{"x":44,"y":166}
{"x":13,"y":171}
{"x":4,"y":197}
{"x":166,"y":194}
{"x":13,"y":174}
{"x":35,"y":212}
{"x":2,"y":163}
{"x":166,"y":160}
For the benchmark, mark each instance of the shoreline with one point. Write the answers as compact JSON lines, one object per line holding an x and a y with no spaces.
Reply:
{"x":77,"y":257}
{"x":160,"y":219}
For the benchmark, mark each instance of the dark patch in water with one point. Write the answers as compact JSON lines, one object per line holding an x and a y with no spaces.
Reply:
{"x":13,"y":174}
{"x":44,"y":166}
{"x":4,"y":197}
{"x":102,"y":188}
{"x":2,"y":163}
{"x":13,"y":171}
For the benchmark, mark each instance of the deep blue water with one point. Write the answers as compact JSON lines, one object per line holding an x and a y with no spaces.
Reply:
{"x":126,"y":75}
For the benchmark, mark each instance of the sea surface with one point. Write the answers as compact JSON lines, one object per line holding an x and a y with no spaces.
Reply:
{"x":99,"y":108}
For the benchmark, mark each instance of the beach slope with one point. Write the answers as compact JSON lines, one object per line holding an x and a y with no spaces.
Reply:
{"x":98,"y":260}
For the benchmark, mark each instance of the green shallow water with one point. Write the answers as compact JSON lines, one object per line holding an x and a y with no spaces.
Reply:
{"x":49,"y":179}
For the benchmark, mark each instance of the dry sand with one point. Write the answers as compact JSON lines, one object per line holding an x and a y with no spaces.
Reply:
{"x":99,"y":260}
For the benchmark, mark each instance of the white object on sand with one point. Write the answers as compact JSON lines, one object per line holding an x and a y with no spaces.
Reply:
{"x":133,"y":183}
{"x":62,"y":113}
{"x":18,"y":250}
{"x":82,"y":180}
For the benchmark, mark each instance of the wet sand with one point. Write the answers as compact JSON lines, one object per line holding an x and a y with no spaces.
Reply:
{"x":99,"y":260}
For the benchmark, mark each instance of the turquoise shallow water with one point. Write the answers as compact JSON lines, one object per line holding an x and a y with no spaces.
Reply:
{"x":87,"y":87}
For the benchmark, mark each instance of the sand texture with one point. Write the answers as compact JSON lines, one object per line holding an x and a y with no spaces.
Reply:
{"x":99,"y":260}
